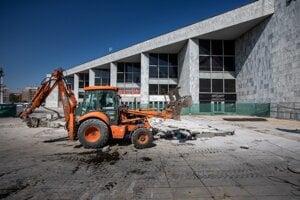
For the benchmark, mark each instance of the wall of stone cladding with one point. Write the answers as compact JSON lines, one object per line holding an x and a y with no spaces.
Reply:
{"x":268,"y":58}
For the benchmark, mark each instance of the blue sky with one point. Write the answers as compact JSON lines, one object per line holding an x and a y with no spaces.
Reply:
{"x":37,"y":36}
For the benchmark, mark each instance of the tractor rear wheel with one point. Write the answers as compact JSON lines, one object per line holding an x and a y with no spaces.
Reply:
{"x":93,"y":133}
{"x":141,"y":138}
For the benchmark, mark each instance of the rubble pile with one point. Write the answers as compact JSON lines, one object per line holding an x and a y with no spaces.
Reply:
{"x":185,"y":129}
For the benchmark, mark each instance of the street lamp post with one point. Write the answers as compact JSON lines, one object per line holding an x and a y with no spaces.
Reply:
{"x":1,"y":85}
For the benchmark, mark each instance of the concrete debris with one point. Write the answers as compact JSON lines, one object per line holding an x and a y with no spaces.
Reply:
{"x":106,"y":148}
{"x":185,"y":129}
{"x":244,"y":147}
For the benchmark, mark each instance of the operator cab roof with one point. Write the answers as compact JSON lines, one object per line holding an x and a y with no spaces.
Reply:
{"x":101,"y":88}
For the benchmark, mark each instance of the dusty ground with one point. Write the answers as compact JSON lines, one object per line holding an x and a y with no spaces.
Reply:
{"x":261,"y":161}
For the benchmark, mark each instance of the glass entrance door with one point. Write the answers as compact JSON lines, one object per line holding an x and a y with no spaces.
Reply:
{"x":218,"y":106}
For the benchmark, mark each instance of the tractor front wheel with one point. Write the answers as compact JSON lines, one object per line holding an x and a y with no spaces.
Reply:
{"x":93,"y":133}
{"x":141,"y":138}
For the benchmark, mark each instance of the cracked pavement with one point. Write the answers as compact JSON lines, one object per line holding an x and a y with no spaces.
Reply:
{"x":258,"y":162}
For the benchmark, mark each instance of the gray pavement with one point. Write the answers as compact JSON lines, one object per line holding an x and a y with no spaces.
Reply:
{"x":39,"y":163}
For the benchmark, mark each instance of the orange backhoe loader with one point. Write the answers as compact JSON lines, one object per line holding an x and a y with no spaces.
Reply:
{"x":101,"y":114}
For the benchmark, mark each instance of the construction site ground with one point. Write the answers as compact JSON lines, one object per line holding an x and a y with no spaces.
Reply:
{"x":260,"y":161}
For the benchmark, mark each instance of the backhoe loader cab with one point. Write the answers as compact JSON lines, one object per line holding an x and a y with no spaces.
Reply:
{"x":103,"y":99}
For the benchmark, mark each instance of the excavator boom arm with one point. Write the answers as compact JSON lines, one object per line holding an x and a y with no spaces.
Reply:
{"x":66,"y":96}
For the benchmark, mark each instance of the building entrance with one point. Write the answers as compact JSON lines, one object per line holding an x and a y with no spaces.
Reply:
{"x":218,"y":106}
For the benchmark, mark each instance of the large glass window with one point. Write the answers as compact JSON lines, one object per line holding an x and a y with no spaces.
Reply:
{"x":163,"y":65}
{"x":205,"y":85}
{"x":204,"y":62}
{"x":102,"y":77}
{"x":204,"y":47}
{"x":216,"y":55}
{"x":160,"y":89}
{"x":229,"y":47}
{"x":128,"y":73}
{"x":217,"y":63}
{"x":229,"y":85}
{"x":83,"y":80}
{"x":229,"y":64}
{"x":216,"y":47}
{"x":70,"y":81}
{"x":217,"y":85}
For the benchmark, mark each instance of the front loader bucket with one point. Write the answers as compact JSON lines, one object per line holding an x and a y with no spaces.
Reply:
{"x":177,"y":102}
{"x":186,"y":101}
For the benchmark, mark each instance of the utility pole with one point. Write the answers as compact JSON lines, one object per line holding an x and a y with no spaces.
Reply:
{"x":1,"y":85}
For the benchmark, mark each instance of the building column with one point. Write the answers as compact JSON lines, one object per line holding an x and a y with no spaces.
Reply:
{"x":76,"y":86}
{"x":144,"y":79}
{"x":189,"y":71}
{"x":113,"y":74}
{"x":91,"y":77}
{"x":52,"y":101}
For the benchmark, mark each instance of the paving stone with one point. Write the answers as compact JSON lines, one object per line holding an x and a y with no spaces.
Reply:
{"x":269,"y":190}
{"x":231,"y":191}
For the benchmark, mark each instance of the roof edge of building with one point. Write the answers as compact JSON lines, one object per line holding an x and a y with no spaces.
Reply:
{"x":230,"y":18}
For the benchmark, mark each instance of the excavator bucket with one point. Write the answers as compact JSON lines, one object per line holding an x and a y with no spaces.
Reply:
{"x":177,"y":102}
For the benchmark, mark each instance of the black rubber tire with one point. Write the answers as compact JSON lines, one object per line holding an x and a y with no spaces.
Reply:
{"x":98,"y":124}
{"x":135,"y":138}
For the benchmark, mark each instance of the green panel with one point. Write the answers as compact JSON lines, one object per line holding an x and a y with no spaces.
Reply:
{"x":250,"y":109}
{"x":255,"y":109}
{"x":205,"y":108}
{"x":194,"y":110}
{"x":230,"y":107}
{"x":245,"y":108}
{"x":8,"y":110}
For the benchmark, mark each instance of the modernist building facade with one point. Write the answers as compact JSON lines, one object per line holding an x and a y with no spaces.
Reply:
{"x":247,"y":55}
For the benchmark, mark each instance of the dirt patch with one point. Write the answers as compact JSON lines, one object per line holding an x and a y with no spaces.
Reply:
{"x":110,"y":185}
{"x":56,"y":140}
{"x":137,"y":171}
{"x":78,"y":146}
{"x":242,"y":119}
{"x":96,"y":157}
{"x":13,"y":189}
{"x":289,"y":130}
{"x":147,"y":159}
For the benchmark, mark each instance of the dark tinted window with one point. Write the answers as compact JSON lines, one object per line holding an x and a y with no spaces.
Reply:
{"x":163,"y":72}
{"x":217,"y":63}
{"x":153,"y":59}
{"x":128,"y":77}
{"x":204,"y":97}
{"x":229,"y":64}
{"x":217,"y":85}
{"x":120,"y":67}
{"x":131,"y":73}
{"x":153,"y":72}
{"x":153,"y":89}
{"x":229,"y":85}
{"x":173,"y":59}
{"x":204,"y":63}
{"x":120,"y":77}
{"x":136,"y":77}
{"x":205,"y":85}
{"x":216,"y":47}
{"x":229,"y":47}
{"x":204,"y":47}
{"x":163,"y":89}
{"x":102,"y":76}
{"x":173,"y":73}
{"x":230,"y":97}
{"x":171,"y":87}
{"x":163,"y":59}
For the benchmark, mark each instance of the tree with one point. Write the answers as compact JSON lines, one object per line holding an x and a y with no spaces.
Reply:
{"x":13,"y":98}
